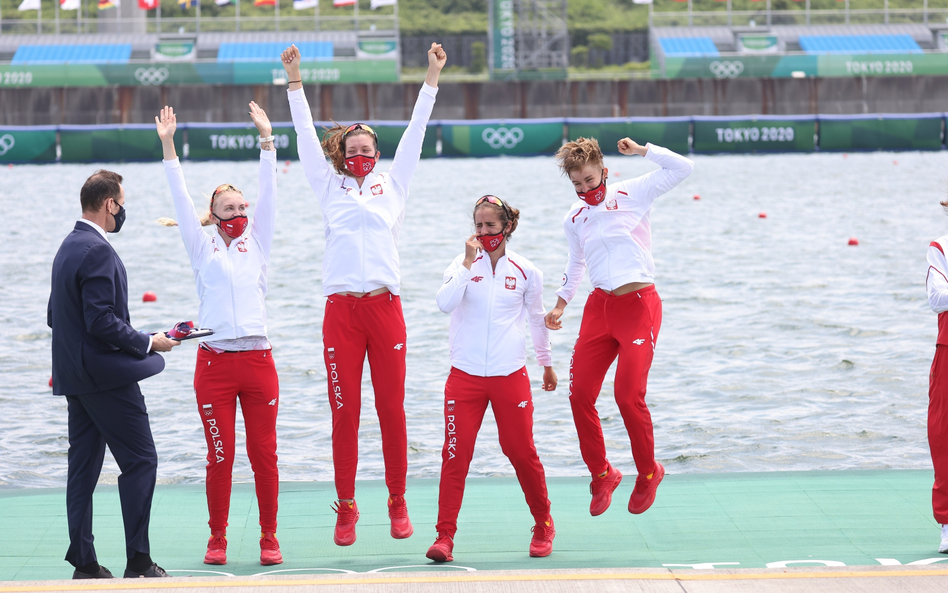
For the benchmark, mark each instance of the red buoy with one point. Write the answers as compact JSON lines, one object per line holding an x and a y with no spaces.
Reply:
{"x":853,"y":241}
{"x":697,"y":197}
{"x":287,"y":163}
{"x":50,"y":381}
{"x":149,"y":297}
{"x":895,"y":162}
{"x":286,"y":170}
{"x":762,"y":215}
{"x":617,"y":174}
{"x":845,"y":155}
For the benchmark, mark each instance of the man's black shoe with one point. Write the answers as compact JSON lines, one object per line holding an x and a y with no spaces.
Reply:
{"x":153,"y":571}
{"x":102,"y":574}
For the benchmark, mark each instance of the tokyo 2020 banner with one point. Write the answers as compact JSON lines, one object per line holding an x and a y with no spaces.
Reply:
{"x":775,"y":66}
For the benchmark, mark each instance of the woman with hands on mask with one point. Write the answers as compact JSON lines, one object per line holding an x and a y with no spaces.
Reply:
{"x":491,"y":293}
{"x":235,"y":363}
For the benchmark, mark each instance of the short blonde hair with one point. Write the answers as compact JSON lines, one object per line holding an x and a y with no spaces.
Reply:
{"x":575,"y":155}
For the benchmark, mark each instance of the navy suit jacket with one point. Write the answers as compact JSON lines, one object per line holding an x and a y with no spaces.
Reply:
{"x":95,"y":348}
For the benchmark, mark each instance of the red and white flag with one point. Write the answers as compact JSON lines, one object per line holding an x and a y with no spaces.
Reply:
{"x":148,"y":4}
{"x":343,"y":2}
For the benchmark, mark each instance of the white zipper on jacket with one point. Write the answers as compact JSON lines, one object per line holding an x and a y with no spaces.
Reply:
{"x":230,"y":278}
{"x":490,"y":309}
{"x":362,"y":232}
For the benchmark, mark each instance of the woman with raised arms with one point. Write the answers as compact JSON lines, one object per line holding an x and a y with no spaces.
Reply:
{"x":363,"y":210}
{"x":609,"y":232}
{"x":236,"y":363}
{"x":937,"y":284}
{"x":491,"y":293}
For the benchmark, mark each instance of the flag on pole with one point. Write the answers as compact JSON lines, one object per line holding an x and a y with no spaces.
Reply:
{"x":68,"y":4}
{"x":106,"y":4}
{"x":223,"y":2}
{"x":377,"y":3}
{"x":147,"y":4}
{"x":29,"y":5}
{"x":264,"y":2}
{"x":304,"y":4}
{"x":343,"y":2}
{"x":186,"y":4}
{"x":641,"y":1}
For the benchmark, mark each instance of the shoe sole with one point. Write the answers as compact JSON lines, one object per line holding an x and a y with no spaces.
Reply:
{"x":340,"y":542}
{"x":654,"y":493}
{"x":614,"y":487}
{"x":437,"y":556}
{"x":215,"y":562}
{"x":411,"y":531}
{"x":271,"y":562}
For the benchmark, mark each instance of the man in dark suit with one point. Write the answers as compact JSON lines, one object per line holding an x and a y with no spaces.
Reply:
{"x":98,"y":359}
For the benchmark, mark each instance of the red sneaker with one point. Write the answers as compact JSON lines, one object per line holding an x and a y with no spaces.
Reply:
{"x":643,"y":495}
{"x":347,"y":513}
{"x":216,"y":549}
{"x":542,"y":543}
{"x":602,"y":489}
{"x":270,"y":549}
{"x":398,"y":513}
{"x":440,"y":551}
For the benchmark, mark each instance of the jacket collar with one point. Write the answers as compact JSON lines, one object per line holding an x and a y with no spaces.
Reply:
{"x":87,"y":225}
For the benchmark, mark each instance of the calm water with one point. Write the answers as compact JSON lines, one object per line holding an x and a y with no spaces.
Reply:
{"x":782,"y":347}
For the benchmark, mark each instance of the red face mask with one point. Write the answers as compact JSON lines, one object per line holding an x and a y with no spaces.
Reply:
{"x":595,"y":195}
{"x":234,"y":227}
{"x":360,"y":165}
{"x":491,"y":242}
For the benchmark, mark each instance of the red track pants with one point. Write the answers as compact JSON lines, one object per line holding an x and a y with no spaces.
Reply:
{"x":625,"y":326}
{"x":352,"y":328}
{"x":465,"y":401}
{"x":938,"y":431}
{"x":219,"y":381}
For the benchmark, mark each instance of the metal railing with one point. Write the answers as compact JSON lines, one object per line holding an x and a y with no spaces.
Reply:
{"x":764,"y":16}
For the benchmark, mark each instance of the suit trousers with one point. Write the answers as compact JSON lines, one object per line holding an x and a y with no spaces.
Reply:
{"x":116,"y":418}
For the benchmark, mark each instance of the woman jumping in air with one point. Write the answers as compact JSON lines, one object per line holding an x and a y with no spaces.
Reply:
{"x":491,"y":292}
{"x":230,"y":271}
{"x":937,"y":283}
{"x":608,"y":232}
{"x":363,"y":210}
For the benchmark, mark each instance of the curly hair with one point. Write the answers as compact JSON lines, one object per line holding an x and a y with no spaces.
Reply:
{"x":334,"y":145}
{"x":575,"y":155}
{"x":508,"y":214}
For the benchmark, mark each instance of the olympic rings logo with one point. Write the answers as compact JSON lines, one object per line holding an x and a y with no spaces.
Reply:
{"x":502,"y":137}
{"x":6,"y":143}
{"x":151,"y":76}
{"x":726,"y":69}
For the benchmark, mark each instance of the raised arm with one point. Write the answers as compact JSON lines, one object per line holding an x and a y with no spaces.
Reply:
{"x":409,"y":147}
{"x":318,"y":171}
{"x":674,"y":169}
{"x":937,"y":280}
{"x":265,"y":213}
{"x":188,"y":221}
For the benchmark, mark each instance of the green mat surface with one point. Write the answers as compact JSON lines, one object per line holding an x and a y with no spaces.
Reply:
{"x":738,"y":520}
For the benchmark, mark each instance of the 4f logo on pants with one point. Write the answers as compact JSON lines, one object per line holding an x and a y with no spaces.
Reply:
{"x":638,"y":342}
{"x":399,"y":346}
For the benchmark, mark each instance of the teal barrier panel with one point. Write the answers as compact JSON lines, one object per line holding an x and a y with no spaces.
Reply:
{"x":390,"y":134}
{"x":761,"y":133}
{"x":237,"y":142}
{"x":27,"y":144}
{"x":497,"y":137}
{"x":112,"y":143}
{"x":882,"y":131}
{"x":669,"y":132}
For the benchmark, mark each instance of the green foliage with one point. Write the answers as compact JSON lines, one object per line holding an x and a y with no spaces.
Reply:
{"x":579,"y":56}
{"x":478,"y":57}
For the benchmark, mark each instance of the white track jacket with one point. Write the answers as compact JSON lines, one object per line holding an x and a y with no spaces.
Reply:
{"x":231,"y":281}
{"x":488,"y":309}
{"x":361,"y":225}
{"x":937,"y":284}
{"x":614,"y":238}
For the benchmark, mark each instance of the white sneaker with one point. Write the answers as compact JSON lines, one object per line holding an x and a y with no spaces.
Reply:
{"x":943,"y":548}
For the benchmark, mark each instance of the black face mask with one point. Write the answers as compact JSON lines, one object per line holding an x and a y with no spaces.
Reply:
{"x":119,"y":219}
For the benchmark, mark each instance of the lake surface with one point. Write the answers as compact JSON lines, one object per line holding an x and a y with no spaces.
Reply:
{"x":782,"y":347}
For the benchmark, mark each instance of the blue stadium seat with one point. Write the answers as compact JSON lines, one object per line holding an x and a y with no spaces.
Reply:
{"x":688,"y":46}
{"x":76,"y":54}
{"x":859,"y":44}
{"x":270,"y":52}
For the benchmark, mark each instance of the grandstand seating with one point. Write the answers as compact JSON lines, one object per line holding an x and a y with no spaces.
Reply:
{"x":688,"y":46}
{"x":270,"y":51}
{"x":858,"y":44}
{"x":75,"y":54}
